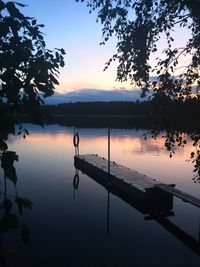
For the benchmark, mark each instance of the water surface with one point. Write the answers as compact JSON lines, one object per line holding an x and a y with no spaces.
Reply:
{"x":70,"y":227}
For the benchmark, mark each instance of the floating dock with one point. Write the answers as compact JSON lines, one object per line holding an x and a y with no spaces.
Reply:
{"x":147,"y":195}
{"x":154,"y":195}
{"x":136,"y":189}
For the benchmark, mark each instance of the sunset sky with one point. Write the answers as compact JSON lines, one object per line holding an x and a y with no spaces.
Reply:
{"x":69,"y":25}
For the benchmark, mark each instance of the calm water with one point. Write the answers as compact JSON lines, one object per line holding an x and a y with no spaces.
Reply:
{"x":71,"y":227}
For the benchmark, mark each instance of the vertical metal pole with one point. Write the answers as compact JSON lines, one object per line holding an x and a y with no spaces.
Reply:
{"x":108,"y":150}
{"x":108,"y":198}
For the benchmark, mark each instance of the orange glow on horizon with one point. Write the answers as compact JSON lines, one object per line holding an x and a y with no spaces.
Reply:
{"x":132,"y":144}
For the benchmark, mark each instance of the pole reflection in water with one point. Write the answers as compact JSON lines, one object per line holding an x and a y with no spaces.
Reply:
{"x":108,"y":214}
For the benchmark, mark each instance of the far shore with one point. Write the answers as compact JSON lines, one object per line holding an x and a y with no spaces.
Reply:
{"x":99,"y":116}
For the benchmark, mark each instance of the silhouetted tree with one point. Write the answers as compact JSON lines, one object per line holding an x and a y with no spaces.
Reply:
{"x":28,"y":74}
{"x":28,"y":70}
{"x":138,"y":26}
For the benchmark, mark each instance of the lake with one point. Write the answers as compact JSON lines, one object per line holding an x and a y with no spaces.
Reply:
{"x":88,"y":226}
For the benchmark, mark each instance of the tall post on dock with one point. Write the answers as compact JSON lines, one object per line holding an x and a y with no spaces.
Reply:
{"x":108,"y":150}
{"x":108,"y":198}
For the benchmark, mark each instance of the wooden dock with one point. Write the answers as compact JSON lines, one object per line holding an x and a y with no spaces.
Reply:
{"x":153,"y":195}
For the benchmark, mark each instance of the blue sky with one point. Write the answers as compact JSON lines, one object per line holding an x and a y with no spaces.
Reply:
{"x":69,"y":25}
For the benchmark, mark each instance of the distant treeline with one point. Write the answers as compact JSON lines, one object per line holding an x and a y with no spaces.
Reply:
{"x":155,"y":108}
{"x":157,"y":114}
{"x":162,"y":113}
{"x":101,"y":108}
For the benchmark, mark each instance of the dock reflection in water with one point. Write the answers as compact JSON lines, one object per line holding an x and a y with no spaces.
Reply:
{"x":155,"y":205}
